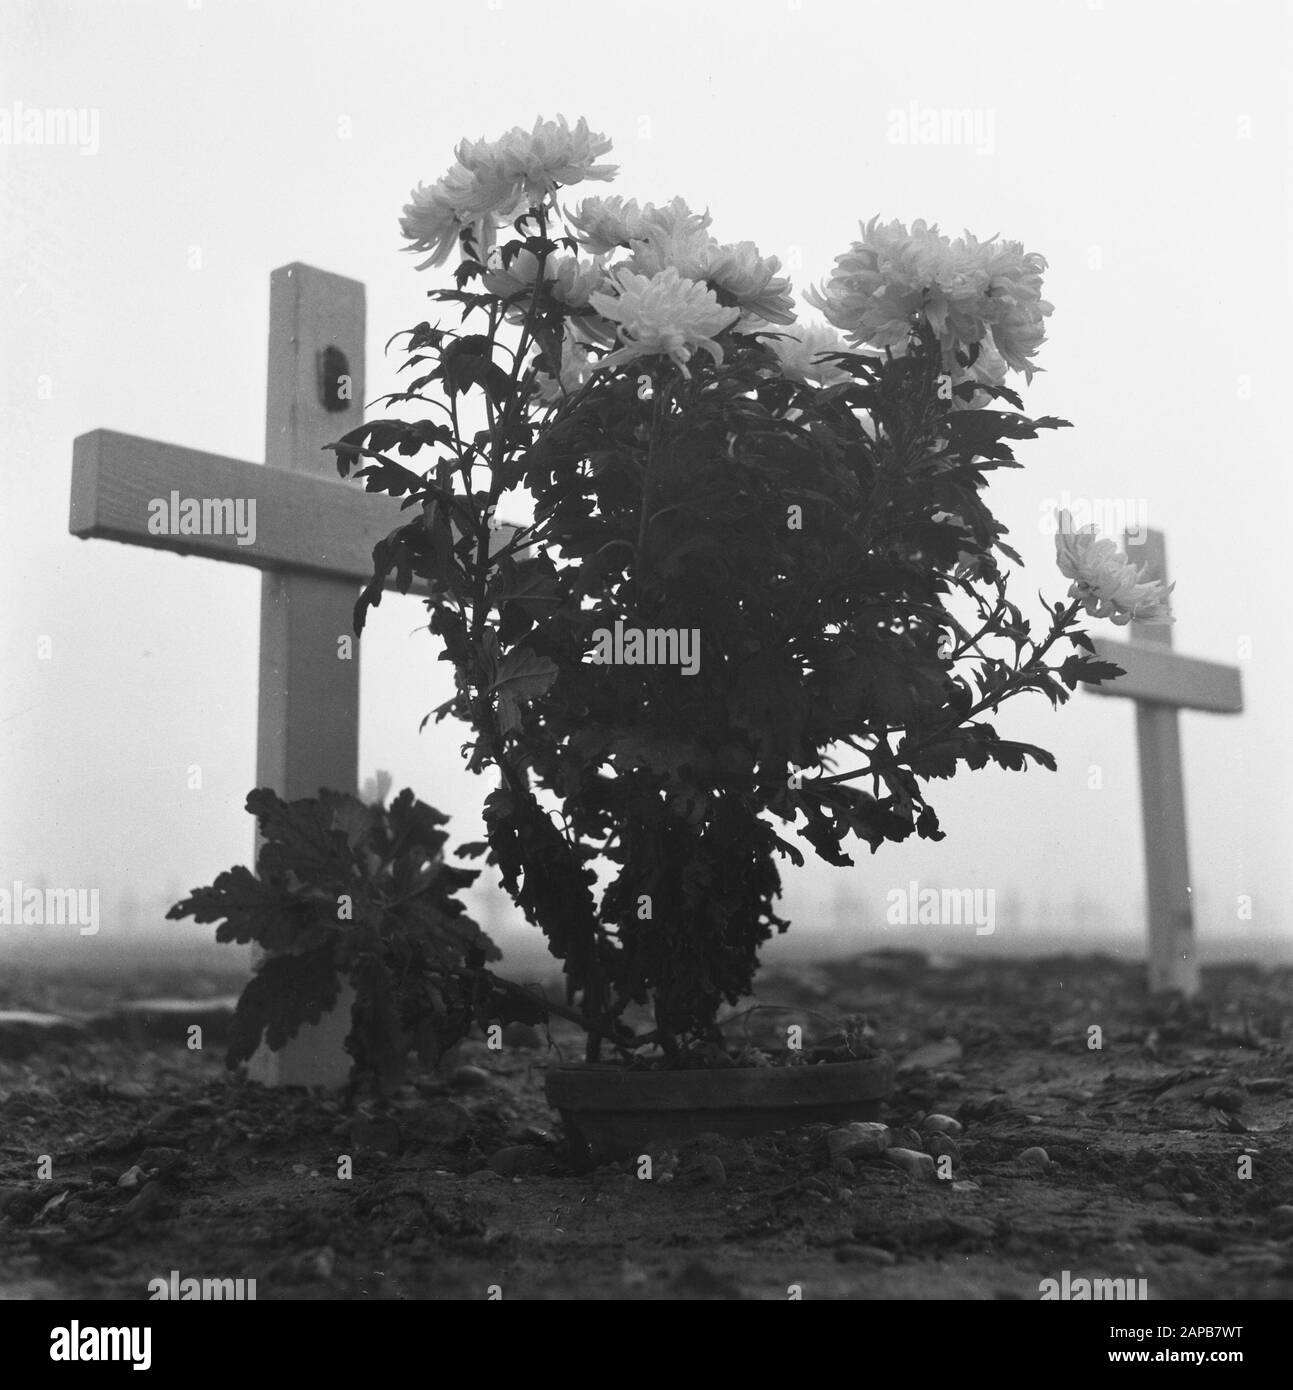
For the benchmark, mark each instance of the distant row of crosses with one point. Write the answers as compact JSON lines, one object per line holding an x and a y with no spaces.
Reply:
{"x":313,"y":538}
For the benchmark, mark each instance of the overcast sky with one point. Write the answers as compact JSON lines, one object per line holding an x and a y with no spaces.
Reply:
{"x":1143,"y":148}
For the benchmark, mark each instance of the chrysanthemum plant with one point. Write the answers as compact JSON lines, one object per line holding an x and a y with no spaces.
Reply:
{"x":759,"y":550}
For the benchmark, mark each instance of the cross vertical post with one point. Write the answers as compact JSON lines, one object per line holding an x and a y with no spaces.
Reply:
{"x":1173,"y":956}
{"x":1161,"y":683}
{"x":308,"y":719}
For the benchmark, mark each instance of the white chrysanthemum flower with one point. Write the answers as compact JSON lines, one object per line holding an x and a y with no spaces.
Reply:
{"x":574,"y":282}
{"x":882,"y":282}
{"x":685,"y":248}
{"x":737,"y":271}
{"x":1105,"y":580}
{"x":430,"y":223}
{"x":675,"y":218}
{"x":571,"y":281}
{"x":664,"y":314}
{"x":968,"y":291}
{"x":494,"y":182}
{"x":751,"y":280}
{"x":459,"y":201}
{"x":603,"y":224}
{"x":798,"y":349}
{"x":538,"y":161}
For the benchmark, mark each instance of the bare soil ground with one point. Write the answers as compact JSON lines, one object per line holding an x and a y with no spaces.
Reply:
{"x":1145,"y":1141}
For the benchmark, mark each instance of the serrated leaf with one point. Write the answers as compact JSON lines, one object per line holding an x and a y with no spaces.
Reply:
{"x":285,"y":994}
{"x":523,"y":675}
{"x":1089,"y":670}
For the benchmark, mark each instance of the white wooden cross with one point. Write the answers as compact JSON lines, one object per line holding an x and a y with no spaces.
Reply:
{"x":314,"y":536}
{"x":1161,"y":683}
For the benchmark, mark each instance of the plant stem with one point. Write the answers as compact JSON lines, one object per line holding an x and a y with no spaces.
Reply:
{"x":644,"y":513}
{"x":988,"y":702}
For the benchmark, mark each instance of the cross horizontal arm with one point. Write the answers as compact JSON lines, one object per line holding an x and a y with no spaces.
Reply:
{"x":1158,"y":675}
{"x":302,"y":523}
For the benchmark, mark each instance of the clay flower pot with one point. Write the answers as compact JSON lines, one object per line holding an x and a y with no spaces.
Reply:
{"x":610,"y":1113}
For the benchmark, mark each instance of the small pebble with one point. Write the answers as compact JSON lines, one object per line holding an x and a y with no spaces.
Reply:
{"x":940,"y":1124}
{"x":917,"y":1165}
{"x":1227,"y":1098}
{"x":815,"y":1187}
{"x":469,"y":1078}
{"x":933,"y":1056}
{"x":1035,"y":1157}
{"x":154,"y":1159}
{"x":132,"y":1177}
{"x":1266,"y":1084}
{"x":1155,"y":1191}
{"x":516,"y":1159}
{"x":865,"y":1139}
{"x":966,"y":1186}
{"x":843,"y":1167}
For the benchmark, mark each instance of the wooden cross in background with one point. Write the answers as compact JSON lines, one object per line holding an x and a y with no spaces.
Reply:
{"x":314,"y":540}
{"x":1161,"y":683}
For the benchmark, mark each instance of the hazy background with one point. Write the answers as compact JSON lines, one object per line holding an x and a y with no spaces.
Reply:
{"x":1142,"y":148}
